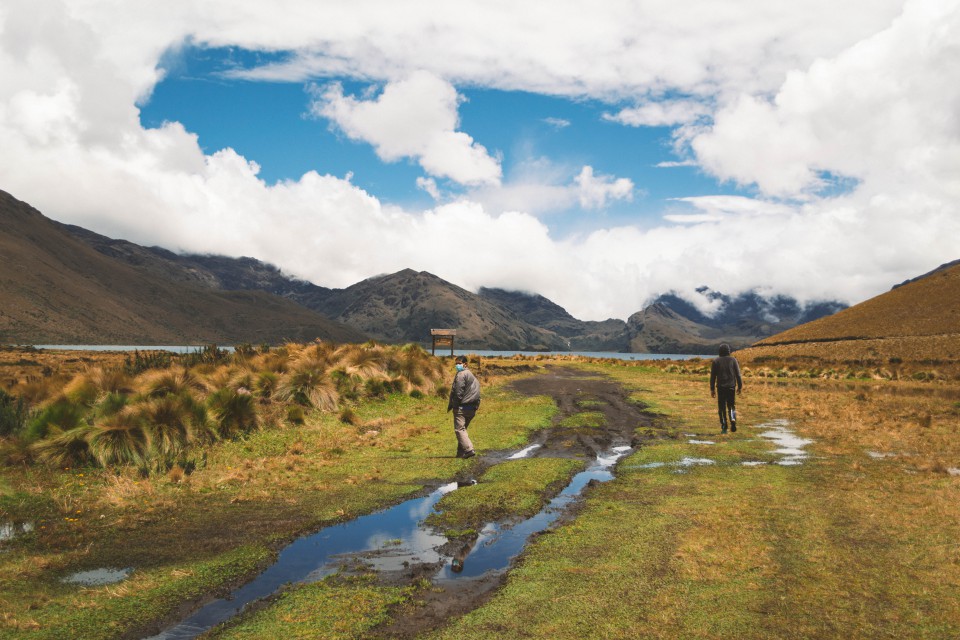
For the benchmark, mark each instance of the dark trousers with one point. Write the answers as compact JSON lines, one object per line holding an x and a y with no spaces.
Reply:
{"x":727,"y":401}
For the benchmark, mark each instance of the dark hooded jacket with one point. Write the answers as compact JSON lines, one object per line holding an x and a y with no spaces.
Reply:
{"x":725,"y":371}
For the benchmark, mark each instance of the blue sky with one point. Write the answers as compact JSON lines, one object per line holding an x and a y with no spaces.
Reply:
{"x":811,"y":149}
{"x":269,"y":123}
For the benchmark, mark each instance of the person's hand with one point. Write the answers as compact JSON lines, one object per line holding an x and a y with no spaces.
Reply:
{"x":740,"y":391}
{"x":713,"y":394}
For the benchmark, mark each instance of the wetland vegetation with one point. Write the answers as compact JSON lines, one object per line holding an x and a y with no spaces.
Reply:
{"x":699,"y":535}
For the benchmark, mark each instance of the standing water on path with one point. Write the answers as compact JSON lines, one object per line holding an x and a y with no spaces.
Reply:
{"x":312,"y":558}
{"x":391,"y":540}
{"x":498,"y":545}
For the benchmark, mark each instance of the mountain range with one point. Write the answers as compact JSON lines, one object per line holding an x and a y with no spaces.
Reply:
{"x":67,"y":284}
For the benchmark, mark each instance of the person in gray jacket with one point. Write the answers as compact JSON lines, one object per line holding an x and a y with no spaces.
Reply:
{"x":464,"y":402}
{"x":725,"y":384}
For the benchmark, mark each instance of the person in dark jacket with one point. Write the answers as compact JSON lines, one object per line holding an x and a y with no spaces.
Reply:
{"x":725,"y":384}
{"x":464,"y":402}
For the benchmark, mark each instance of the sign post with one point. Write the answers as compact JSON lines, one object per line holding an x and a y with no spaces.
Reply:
{"x":442,"y":338}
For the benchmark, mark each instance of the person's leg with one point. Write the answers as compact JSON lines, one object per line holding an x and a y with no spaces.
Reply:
{"x":722,"y":410}
{"x":732,"y":403}
{"x":461,"y":420}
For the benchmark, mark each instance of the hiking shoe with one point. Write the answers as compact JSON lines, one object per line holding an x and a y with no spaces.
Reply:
{"x":469,"y":454}
{"x":733,"y":426}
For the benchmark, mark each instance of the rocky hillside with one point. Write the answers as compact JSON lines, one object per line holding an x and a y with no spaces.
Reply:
{"x":57,"y":289}
{"x":917,"y":320}
{"x":404,"y":306}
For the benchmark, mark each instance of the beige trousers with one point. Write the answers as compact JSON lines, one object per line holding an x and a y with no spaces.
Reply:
{"x":461,"y":420}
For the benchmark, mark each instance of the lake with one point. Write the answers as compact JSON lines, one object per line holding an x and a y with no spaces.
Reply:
{"x":443,"y":352}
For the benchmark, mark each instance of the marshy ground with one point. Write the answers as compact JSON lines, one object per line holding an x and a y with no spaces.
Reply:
{"x":699,"y":535}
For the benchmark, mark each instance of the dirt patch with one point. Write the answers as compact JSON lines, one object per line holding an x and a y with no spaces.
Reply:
{"x":625,"y":423}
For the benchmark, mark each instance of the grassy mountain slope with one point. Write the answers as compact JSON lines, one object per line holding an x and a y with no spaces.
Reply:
{"x":404,"y":306}
{"x":56,"y":289}
{"x":918,"y":320}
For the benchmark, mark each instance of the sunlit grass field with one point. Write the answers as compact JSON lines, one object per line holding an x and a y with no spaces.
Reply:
{"x":858,"y":540}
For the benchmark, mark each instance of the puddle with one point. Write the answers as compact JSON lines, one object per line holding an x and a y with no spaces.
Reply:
{"x":391,"y":541}
{"x":789,"y":446}
{"x":314,"y":557}
{"x":876,"y":455}
{"x":701,"y":442}
{"x":10,"y":530}
{"x":98,"y":577}
{"x":524,"y":453}
{"x":693,"y":462}
{"x":753,"y":463}
{"x":498,"y":545}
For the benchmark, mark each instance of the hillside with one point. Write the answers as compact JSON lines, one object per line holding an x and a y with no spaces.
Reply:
{"x":918,"y":320}
{"x":56,"y":289}
{"x":404,"y":306}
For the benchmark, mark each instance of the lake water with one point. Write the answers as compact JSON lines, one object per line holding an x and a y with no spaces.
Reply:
{"x":442,"y":352}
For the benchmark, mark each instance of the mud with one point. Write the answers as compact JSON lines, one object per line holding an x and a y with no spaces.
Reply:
{"x":626,"y":425}
{"x":464,"y":573}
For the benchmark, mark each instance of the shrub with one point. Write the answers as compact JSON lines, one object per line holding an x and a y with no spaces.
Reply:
{"x":233,"y":412}
{"x":119,"y":439}
{"x":65,"y":448}
{"x":61,"y":414}
{"x":13,"y":414}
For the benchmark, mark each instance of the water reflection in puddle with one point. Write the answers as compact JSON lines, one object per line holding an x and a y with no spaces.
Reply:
{"x":391,"y":540}
{"x":523,"y":453}
{"x":499,"y":544}
{"x":314,"y":557}
{"x":10,"y":530}
{"x":98,"y":577}
{"x":789,"y":445}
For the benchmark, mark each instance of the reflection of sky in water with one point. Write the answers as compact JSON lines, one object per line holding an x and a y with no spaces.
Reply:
{"x":789,"y":445}
{"x":314,"y":557}
{"x":497,"y":545}
{"x":10,"y":530}
{"x":523,"y":453}
{"x":98,"y":577}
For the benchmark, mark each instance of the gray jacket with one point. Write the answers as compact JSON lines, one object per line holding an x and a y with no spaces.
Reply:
{"x":465,"y":390}
{"x":725,"y":374}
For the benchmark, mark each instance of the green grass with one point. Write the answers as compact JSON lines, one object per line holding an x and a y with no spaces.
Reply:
{"x":822,"y":550}
{"x":252,"y":493}
{"x":588,"y":419}
{"x":333,"y":609}
{"x":515,"y":488}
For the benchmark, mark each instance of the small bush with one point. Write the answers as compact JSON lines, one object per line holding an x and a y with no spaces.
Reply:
{"x":295,"y":414}
{"x":13,"y":414}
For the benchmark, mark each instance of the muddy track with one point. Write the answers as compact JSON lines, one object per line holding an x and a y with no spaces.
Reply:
{"x":625,"y":423}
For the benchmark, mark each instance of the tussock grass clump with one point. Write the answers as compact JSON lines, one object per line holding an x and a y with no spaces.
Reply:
{"x":152,"y":411}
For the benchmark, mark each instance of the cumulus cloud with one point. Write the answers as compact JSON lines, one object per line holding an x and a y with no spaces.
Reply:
{"x":877,"y":112}
{"x":594,"y":191}
{"x":412,"y":118}
{"x":660,"y":114}
{"x":863,"y":94}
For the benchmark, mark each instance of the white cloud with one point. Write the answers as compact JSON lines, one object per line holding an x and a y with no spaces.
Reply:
{"x":417,"y":118}
{"x":594,"y":191}
{"x":797,"y":95}
{"x":666,"y":113}
{"x":881,"y":112}
{"x":557,"y":123}
{"x":541,"y":187}
{"x":430,"y":186}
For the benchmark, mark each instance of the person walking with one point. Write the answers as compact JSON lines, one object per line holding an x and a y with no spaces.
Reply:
{"x":725,"y":384}
{"x":464,"y":402}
